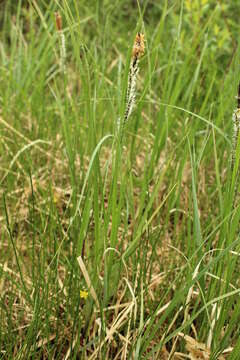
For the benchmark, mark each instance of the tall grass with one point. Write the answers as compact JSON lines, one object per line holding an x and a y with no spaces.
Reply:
{"x":119,"y":229}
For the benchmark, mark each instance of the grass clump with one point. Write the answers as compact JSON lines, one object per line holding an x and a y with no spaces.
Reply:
{"x":119,"y":234}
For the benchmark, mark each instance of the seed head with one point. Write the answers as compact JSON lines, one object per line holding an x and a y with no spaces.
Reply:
{"x":138,"y":47}
{"x":58,"y":21}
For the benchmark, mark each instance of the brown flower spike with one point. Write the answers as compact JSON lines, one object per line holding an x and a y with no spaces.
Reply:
{"x":58,"y":19}
{"x":138,"y":48}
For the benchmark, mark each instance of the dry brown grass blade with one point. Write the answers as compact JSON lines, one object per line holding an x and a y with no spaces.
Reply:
{"x":6,"y":269}
{"x":197,"y":350}
{"x":214,"y":317}
{"x":114,"y":307}
{"x":120,"y":320}
{"x":88,"y":280}
{"x":70,"y":348}
{"x":45,"y":341}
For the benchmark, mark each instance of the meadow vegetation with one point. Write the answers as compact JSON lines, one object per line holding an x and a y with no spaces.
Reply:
{"x":119,"y":231}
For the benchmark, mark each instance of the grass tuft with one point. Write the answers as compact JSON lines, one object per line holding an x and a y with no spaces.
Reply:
{"x":119,"y":239}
